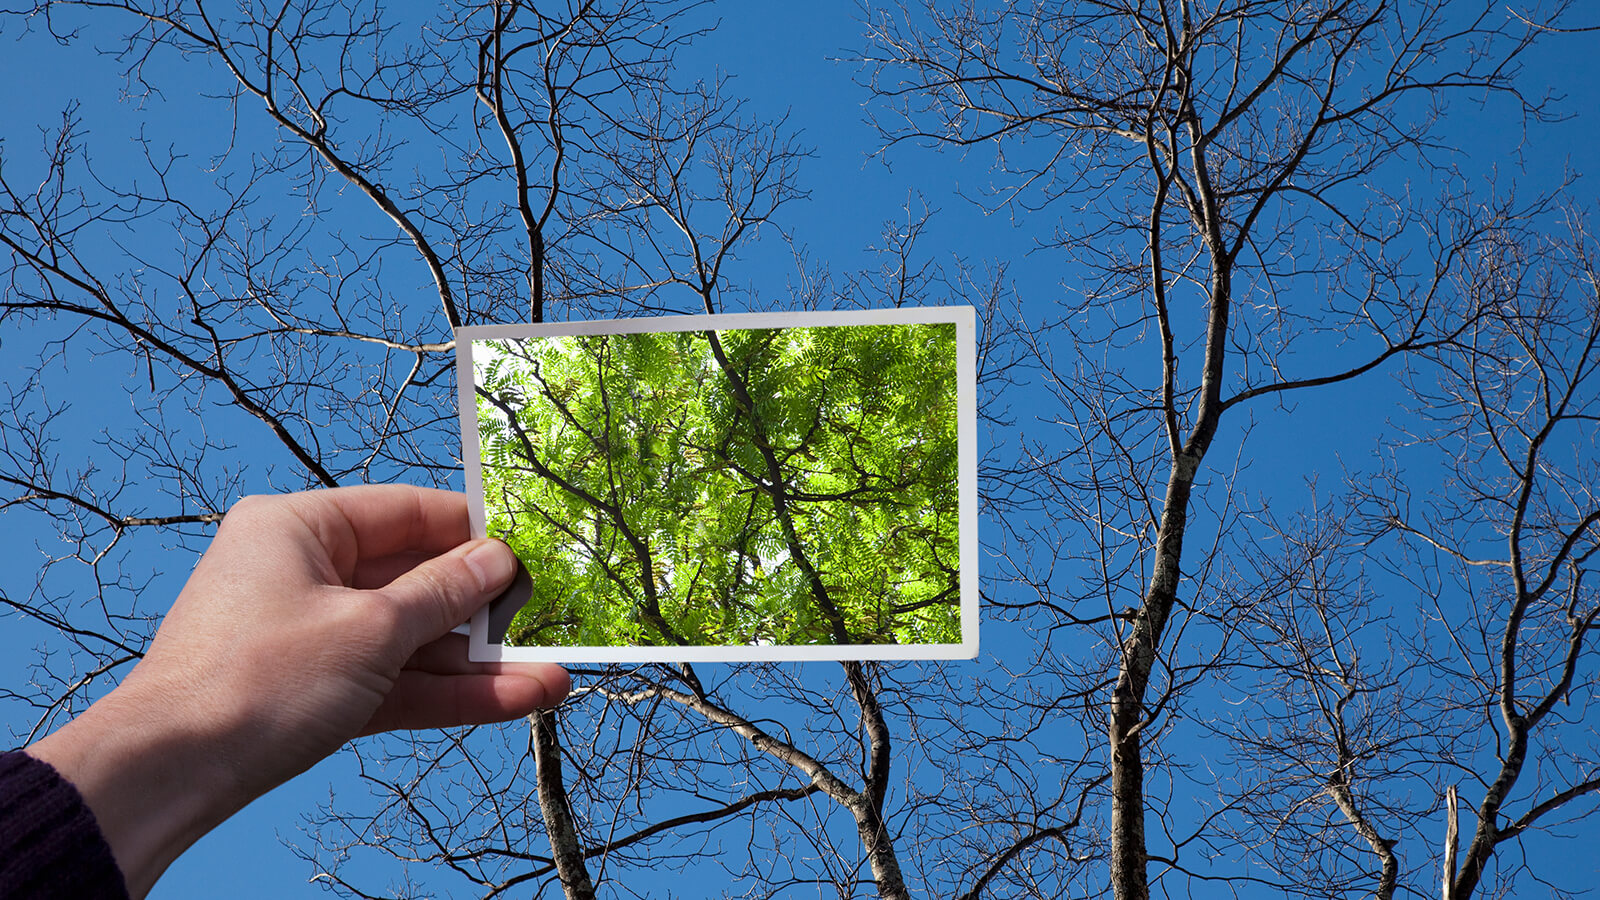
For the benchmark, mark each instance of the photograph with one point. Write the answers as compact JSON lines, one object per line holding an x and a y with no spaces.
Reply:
{"x":736,"y":487}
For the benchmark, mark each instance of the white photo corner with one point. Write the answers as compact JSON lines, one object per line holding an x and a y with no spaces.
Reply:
{"x":758,"y":486}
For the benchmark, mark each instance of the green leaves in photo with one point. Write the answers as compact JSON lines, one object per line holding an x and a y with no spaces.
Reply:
{"x":743,"y":487}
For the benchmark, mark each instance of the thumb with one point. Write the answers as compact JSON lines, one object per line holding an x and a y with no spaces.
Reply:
{"x":445,"y":591}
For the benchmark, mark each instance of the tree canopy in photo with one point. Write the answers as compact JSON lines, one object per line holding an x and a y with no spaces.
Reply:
{"x":792,"y":486}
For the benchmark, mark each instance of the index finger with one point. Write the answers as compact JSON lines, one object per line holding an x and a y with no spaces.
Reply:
{"x":375,"y":520}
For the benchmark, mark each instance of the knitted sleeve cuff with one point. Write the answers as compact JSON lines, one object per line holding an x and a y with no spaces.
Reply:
{"x":50,"y":845}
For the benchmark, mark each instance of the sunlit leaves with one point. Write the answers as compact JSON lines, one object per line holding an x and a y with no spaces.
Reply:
{"x":793,"y":488}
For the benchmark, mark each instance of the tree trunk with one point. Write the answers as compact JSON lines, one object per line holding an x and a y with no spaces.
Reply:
{"x":1452,"y":842}
{"x":1129,"y":855}
{"x":869,"y":803}
{"x":553,"y":805}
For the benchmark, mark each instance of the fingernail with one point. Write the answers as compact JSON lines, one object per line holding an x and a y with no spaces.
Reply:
{"x":493,"y":563}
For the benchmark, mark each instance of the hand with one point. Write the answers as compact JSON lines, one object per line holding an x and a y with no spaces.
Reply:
{"x":312,"y":618}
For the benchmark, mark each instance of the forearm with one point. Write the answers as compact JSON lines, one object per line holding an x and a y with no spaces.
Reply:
{"x":311,"y":619}
{"x":149,"y":782}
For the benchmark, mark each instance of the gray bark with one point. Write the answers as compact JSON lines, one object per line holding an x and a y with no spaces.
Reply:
{"x":553,"y":805}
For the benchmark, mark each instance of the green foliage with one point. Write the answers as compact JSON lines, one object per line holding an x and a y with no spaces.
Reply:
{"x":774,"y":486}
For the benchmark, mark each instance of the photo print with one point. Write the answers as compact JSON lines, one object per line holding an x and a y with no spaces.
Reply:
{"x":733,"y":487}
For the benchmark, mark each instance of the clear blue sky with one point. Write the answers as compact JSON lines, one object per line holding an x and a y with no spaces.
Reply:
{"x":781,"y":55}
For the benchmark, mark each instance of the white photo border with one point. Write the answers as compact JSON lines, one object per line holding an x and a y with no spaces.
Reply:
{"x":480,"y":649}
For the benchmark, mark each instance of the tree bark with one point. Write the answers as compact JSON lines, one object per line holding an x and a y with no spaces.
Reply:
{"x":1452,"y":842}
{"x":553,"y":805}
{"x":868,"y":808}
{"x":1129,"y":855}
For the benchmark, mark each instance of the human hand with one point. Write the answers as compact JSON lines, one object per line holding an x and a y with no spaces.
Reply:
{"x":312,"y":618}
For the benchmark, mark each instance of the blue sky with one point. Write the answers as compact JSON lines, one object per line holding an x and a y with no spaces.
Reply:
{"x":782,"y":57}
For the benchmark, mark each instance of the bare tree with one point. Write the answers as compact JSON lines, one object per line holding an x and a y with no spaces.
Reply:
{"x":1374,"y":716}
{"x":275,"y":296}
{"x":1507,"y":550}
{"x":512,"y":161}
{"x":1328,"y":719}
{"x":1217,"y":170}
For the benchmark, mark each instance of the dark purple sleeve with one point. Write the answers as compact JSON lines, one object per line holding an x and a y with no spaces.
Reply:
{"x":50,"y":846}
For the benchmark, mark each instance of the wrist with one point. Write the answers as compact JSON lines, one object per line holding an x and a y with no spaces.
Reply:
{"x":142,"y":771}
